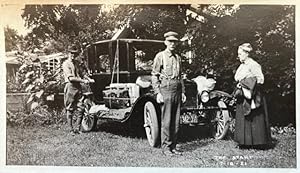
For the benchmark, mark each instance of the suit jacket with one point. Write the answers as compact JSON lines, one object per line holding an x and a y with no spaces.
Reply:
{"x":250,"y":84}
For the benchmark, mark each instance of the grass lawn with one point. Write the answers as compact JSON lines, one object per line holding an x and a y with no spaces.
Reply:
{"x":110,"y":146}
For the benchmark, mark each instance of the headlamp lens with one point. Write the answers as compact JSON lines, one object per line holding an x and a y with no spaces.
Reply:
{"x":204,"y":97}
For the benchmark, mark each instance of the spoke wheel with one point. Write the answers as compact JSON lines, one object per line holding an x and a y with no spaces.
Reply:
{"x":151,"y":124}
{"x":89,"y":121}
{"x":221,"y":124}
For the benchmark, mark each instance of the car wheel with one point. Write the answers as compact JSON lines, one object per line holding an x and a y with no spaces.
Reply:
{"x":89,"y":121}
{"x":151,"y":124}
{"x":221,"y":121}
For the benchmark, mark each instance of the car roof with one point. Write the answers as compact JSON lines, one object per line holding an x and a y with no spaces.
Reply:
{"x":137,"y":43}
{"x":129,"y":40}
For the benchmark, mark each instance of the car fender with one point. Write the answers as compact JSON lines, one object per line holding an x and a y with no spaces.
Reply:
{"x":138,"y":106}
{"x":218,"y":93}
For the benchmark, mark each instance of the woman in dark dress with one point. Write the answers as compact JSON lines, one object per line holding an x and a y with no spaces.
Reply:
{"x":252,"y":126}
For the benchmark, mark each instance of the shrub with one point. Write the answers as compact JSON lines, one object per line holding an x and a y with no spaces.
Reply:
{"x":39,"y":116}
{"x":42,"y":83}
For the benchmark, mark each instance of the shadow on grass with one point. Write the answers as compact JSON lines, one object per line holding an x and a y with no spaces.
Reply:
{"x":113,"y":127}
{"x":189,"y":137}
{"x":273,"y":144}
{"x":269,"y":146}
{"x":192,"y":133}
{"x":185,"y":134}
{"x":192,"y":146}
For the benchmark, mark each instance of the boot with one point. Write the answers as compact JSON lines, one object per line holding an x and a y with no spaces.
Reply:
{"x":70,"y":123}
{"x":79,"y":116}
{"x":69,"y":120}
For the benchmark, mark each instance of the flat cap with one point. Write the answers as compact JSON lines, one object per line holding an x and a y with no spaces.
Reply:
{"x":246,"y":47}
{"x":171,"y":36}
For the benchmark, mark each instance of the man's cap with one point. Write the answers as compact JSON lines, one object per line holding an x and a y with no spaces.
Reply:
{"x":246,"y":47}
{"x":73,"y":49}
{"x":171,"y":36}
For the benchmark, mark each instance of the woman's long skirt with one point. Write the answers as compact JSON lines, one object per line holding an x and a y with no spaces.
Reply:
{"x":252,"y":129}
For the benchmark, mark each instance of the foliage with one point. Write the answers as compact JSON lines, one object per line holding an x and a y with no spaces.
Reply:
{"x":36,"y":78}
{"x":286,"y":130}
{"x":12,"y":39}
{"x":269,"y":28}
{"x":65,"y":24}
{"x":273,"y":38}
{"x":152,"y":21}
{"x":271,"y":31}
{"x":13,"y":86}
{"x":40,"y":116}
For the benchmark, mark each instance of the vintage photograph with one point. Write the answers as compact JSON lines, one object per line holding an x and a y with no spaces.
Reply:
{"x":150,"y":85}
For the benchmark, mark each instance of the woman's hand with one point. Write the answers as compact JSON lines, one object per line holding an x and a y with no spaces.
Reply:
{"x":183,"y":98}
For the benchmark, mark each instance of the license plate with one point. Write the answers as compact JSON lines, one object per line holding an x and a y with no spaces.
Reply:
{"x":188,"y":118}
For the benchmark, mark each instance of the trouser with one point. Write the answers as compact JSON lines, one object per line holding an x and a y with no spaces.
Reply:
{"x":72,"y":96}
{"x":170,"y":112}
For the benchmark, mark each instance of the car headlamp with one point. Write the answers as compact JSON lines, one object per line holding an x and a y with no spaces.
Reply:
{"x":204,"y":96}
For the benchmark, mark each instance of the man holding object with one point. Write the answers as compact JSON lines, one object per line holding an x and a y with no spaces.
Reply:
{"x":73,"y":90}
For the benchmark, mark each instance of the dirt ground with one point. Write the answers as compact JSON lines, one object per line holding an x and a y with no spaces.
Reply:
{"x":110,"y":146}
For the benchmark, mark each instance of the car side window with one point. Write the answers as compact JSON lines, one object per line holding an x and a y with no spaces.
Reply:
{"x":104,"y":64}
{"x":141,"y":61}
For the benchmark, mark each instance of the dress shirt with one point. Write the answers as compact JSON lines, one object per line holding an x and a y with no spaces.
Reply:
{"x":70,"y":70}
{"x":166,"y":65}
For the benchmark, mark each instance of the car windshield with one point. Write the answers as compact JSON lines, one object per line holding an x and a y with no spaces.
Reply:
{"x":126,"y":54}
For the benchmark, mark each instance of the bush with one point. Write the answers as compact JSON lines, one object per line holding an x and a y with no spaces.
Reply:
{"x":13,"y":87}
{"x":42,"y":83}
{"x":39,"y":116}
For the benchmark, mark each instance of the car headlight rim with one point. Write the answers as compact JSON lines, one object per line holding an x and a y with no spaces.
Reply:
{"x":204,"y":97}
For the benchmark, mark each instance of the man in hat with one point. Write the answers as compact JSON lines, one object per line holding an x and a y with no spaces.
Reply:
{"x":73,"y":91}
{"x":169,"y":90}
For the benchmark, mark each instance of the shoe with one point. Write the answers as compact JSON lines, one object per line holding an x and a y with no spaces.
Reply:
{"x":168,"y":153}
{"x":177,"y":152}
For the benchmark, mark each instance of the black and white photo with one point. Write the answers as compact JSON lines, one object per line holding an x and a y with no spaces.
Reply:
{"x":148,"y":86}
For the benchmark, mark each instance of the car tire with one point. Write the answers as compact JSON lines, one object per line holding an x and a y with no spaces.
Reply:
{"x":89,"y":121}
{"x":151,"y":124}
{"x":221,"y":121}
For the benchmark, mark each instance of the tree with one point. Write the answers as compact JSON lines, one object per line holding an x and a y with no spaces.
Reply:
{"x":12,"y":39}
{"x":213,"y":44}
{"x":65,"y":25}
{"x":271,"y":31}
{"x":89,"y":23}
{"x":269,"y":28}
{"x":151,"y":21}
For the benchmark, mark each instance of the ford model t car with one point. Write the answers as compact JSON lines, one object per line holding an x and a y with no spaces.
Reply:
{"x":122,"y":90}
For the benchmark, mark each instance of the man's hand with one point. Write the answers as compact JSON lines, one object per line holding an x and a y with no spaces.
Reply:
{"x":88,"y":80}
{"x":183,"y":98}
{"x":159,"y":98}
{"x":91,"y":80}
